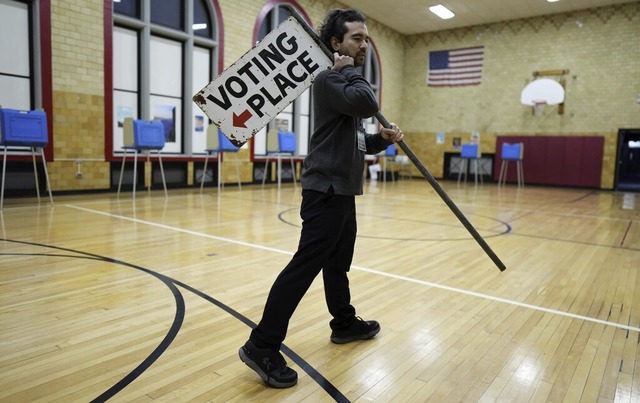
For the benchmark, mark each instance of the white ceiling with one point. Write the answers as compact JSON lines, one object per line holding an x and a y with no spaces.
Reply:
{"x":413,"y":16}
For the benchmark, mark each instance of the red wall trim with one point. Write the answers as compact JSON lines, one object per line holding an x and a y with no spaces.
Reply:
{"x":45,"y":72}
{"x":108,"y":79}
{"x":220,"y":22}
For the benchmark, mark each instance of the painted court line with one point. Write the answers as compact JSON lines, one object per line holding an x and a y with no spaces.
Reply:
{"x":372,"y":271}
{"x":624,"y":237}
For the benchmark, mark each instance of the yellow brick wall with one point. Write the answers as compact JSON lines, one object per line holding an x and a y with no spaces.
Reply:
{"x":598,"y":46}
{"x":603,"y":58}
{"x":78,"y":95}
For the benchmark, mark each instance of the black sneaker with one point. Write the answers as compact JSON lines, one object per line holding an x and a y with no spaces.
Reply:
{"x":269,"y":364}
{"x":359,"y":329}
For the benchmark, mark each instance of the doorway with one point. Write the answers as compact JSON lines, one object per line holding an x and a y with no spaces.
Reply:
{"x":628,"y":160}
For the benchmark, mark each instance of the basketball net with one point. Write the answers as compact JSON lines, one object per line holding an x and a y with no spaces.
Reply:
{"x":538,"y":107}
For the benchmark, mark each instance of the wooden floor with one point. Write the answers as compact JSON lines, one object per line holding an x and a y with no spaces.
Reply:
{"x":149,"y":301}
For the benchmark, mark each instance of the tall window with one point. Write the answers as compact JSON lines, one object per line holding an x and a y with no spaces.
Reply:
{"x":25,"y":60}
{"x":16,"y":74}
{"x":297,"y":117}
{"x":164,"y":51}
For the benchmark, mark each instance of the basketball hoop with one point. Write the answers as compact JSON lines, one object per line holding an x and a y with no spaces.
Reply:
{"x":541,"y":92}
{"x":538,"y":107}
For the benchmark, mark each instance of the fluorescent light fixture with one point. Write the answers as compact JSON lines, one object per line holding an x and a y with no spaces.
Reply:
{"x":552,"y":1}
{"x":441,"y":11}
{"x":199,"y":26}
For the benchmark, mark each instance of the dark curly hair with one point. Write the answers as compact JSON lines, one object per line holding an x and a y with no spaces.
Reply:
{"x":334,"y":24}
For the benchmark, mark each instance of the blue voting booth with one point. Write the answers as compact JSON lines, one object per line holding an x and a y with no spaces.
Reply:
{"x":219,"y":144}
{"x":142,"y":135}
{"x":287,"y":143}
{"x":20,"y":128}
{"x":470,"y":152}
{"x":511,"y":152}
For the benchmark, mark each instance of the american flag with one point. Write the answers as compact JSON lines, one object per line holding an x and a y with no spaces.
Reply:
{"x":449,"y":68}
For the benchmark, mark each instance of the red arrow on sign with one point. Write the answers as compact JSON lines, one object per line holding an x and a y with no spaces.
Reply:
{"x":241,"y":120}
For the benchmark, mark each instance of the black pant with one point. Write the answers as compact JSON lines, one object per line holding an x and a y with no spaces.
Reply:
{"x":326,"y":243}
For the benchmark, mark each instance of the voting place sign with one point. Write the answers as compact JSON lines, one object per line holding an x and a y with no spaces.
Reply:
{"x":259,"y":85}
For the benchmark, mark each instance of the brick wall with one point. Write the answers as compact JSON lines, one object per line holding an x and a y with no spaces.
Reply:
{"x":598,"y":46}
{"x":78,"y":95}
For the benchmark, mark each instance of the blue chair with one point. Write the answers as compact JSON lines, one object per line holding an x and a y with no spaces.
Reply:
{"x":24,"y":129}
{"x":286,"y":149}
{"x":470,"y":152}
{"x":511,"y":152}
{"x":141,"y":135}
{"x":218,"y":143}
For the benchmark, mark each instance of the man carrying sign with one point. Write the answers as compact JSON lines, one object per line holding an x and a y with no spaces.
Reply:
{"x":331,"y":179}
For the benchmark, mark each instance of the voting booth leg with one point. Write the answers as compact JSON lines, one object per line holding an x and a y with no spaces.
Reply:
{"x":135,"y":171}
{"x":219,"y":171}
{"x":124,"y":157}
{"x":46,"y":172}
{"x":476,"y":164}
{"x":504,"y":167}
{"x":4,"y":170}
{"x":266,"y":169}
{"x":463,"y":167}
{"x":35,"y":173}
{"x":164,"y":182}
{"x":520,"y":173}
{"x":279,"y":170}
{"x":204,"y":171}
{"x":293,"y":172}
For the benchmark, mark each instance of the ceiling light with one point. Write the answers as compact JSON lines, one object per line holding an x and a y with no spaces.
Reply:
{"x":552,"y":1}
{"x":441,"y":11}
{"x":199,"y":26}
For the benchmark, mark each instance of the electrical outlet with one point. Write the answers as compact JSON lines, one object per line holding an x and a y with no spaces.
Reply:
{"x":79,"y":170}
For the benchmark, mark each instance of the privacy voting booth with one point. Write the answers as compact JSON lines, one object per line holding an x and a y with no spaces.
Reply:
{"x":20,"y":128}
{"x":142,"y":135}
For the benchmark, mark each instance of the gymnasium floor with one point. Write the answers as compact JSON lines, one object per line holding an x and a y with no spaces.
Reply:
{"x":110,"y":299}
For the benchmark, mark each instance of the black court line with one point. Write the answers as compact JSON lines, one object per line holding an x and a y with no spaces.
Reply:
{"x":177,"y":323}
{"x":550,"y":238}
{"x":392,"y":238}
{"x":306,"y":367}
{"x":592,"y":193}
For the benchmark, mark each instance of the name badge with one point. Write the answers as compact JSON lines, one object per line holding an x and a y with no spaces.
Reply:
{"x":362,"y":145}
